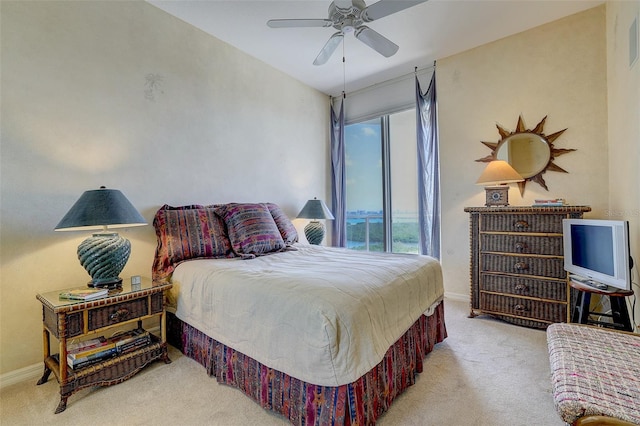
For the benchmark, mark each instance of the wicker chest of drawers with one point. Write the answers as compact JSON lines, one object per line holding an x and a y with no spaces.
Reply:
{"x":517,"y":266}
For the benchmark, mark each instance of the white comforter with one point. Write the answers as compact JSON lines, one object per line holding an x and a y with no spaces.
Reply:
{"x":322,"y":315}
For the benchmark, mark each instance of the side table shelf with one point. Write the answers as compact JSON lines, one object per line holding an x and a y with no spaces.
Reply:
{"x":66,"y":319}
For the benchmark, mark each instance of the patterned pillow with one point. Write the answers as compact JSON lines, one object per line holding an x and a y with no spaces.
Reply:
{"x":286,"y":228}
{"x":252,"y":230}
{"x":187,"y":232}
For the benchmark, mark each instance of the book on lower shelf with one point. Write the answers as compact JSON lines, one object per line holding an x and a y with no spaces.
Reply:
{"x":84,"y":293}
{"x":113,"y":346}
{"x":76,"y":363}
{"x":83,"y":345}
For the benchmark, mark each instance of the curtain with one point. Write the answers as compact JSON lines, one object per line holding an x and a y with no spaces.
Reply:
{"x":338,"y":198}
{"x":428,"y":169}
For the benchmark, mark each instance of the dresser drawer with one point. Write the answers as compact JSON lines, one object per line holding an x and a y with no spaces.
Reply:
{"x":525,"y":244}
{"x":534,"y":309}
{"x":529,"y":287}
{"x":113,"y":314}
{"x":550,"y":267}
{"x":541,"y":223}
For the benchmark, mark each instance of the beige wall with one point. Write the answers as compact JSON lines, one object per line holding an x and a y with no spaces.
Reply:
{"x":79,"y":110}
{"x":556,"y":70}
{"x":623,"y":84}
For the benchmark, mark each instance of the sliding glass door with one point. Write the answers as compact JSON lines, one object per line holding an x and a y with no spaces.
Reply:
{"x":381,"y":176}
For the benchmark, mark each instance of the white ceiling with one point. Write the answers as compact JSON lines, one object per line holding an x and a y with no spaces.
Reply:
{"x":426,"y":32}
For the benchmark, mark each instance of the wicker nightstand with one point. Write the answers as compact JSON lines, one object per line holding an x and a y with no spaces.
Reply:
{"x":67,"y":319}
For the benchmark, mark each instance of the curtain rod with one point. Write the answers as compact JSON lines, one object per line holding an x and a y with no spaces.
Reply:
{"x":387,"y":82}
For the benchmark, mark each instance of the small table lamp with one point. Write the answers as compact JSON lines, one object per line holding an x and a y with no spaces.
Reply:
{"x":315,"y":209}
{"x":104,"y":254}
{"x":495,"y":178}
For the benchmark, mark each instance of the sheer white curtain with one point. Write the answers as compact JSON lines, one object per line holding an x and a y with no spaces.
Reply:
{"x":428,"y":169}
{"x":338,"y":197}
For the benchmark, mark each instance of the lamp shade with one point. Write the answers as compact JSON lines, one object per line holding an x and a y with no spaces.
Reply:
{"x":100,"y":208}
{"x":498,"y":172}
{"x":315,"y":209}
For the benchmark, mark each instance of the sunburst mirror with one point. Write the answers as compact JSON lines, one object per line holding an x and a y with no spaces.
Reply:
{"x":530,"y":152}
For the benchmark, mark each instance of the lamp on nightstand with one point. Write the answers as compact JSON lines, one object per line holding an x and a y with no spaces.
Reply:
{"x":495,"y":178}
{"x":315,"y":209}
{"x":104,"y":254}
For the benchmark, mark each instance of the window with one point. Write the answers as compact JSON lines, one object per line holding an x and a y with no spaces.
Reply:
{"x":381,"y":180}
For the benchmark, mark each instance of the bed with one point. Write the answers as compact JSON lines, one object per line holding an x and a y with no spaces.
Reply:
{"x":320,"y":335}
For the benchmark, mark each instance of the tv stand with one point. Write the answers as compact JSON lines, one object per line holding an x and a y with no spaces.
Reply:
{"x":589,"y":282}
{"x":619,"y":313}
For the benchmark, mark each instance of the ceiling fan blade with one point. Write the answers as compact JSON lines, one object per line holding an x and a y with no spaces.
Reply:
{"x":387,"y":7}
{"x":376,"y":41}
{"x":299,"y":23}
{"x":329,"y":48}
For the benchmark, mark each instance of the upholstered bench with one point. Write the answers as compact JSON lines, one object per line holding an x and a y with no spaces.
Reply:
{"x":595,"y":374}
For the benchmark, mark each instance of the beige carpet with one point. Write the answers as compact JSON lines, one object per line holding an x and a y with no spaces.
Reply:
{"x":486,"y":372}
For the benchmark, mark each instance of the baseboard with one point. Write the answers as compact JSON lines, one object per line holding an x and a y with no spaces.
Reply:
{"x":457,"y":296}
{"x":31,"y":372}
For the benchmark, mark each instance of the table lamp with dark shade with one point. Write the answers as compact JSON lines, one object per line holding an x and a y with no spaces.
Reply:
{"x":105,"y":253}
{"x":495,"y":178}
{"x":315,"y":209}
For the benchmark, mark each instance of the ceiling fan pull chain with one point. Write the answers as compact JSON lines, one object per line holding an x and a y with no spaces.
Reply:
{"x":344,"y":73}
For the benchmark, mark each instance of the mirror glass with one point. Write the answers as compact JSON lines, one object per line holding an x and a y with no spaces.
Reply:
{"x":528,"y":153}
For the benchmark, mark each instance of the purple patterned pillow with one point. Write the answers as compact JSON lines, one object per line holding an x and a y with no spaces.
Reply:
{"x":286,"y":228}
{"x":252,"y":230}
{"x":187,"y":232}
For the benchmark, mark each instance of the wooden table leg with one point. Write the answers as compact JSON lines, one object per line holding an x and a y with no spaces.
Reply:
{"x":45,"y":353}
{"x":45,"y":375}
{"x":62,"y":405}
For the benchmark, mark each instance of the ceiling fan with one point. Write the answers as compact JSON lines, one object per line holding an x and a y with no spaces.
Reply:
{"x":349,"y":16}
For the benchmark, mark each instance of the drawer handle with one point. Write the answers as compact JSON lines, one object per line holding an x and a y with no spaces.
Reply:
{"x":521,"y":288}
{"x":521,"y":224}
{"x":521,"y":246}
{"x":521,"y":266}
{"x":520,"y":308}
{"x":119,"y":315}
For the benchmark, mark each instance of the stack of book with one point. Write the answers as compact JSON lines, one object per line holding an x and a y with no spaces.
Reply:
{"x":96,"y":350}
{"x":549,"y":203}
{"x":84,"y":293}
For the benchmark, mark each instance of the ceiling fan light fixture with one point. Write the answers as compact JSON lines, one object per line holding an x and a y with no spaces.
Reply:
{"x":347,"y":26}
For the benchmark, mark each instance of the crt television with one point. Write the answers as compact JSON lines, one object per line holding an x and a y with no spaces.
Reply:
{"x":598,"y":250}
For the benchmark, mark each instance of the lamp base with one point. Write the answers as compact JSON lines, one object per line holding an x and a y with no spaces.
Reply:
{"x":103,"y":256}
{"x":497,"y":195}
{"x":111,"y":283}
{"x":314,"y":231}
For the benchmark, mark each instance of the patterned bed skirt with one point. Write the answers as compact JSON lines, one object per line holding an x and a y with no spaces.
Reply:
{"x":357,"y":403}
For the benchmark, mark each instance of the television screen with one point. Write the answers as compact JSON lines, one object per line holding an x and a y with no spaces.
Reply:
{"x":592,"y":248}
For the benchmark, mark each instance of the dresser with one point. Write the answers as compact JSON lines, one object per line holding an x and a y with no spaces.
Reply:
{"x":517,"y":266}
